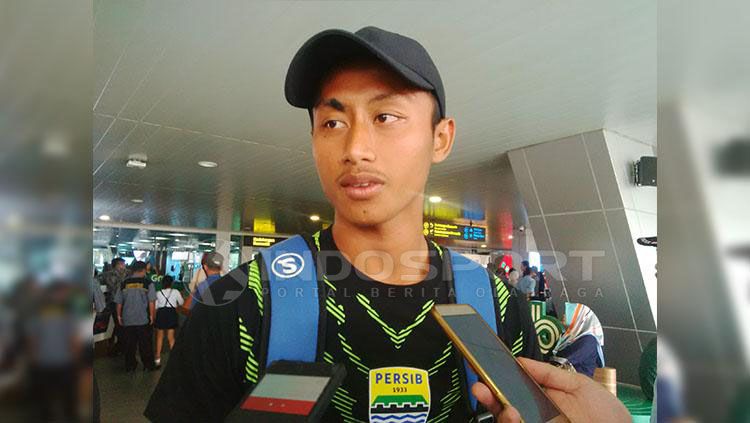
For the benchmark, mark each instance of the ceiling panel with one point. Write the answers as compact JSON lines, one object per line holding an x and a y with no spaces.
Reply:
{"x":187,"y":81}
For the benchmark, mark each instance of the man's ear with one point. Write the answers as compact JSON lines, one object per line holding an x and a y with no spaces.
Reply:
{"x":443,"y":136}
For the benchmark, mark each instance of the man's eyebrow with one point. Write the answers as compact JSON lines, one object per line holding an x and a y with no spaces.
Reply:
{"x":333,"y":103}
{"x":384,"y":96}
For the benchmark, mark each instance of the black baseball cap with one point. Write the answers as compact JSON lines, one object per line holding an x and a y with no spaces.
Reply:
{"x":326,"y":49}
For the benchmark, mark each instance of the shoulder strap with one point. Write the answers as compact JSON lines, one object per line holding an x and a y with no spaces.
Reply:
{"x":167,"y":298}
{"x":294,"y":307}
{"x":473,"y":287}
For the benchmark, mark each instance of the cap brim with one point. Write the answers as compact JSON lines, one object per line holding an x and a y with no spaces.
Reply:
{"x":323,"y":51}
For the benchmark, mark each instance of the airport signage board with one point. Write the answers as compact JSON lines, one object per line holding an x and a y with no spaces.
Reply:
{"x":454,"y":231}
{"x":261,"y":241}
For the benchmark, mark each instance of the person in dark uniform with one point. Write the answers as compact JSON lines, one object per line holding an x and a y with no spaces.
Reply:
{"x":136,"y":311}
{"x":112,"y":278}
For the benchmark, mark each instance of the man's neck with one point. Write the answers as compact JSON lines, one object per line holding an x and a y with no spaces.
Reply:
{"x":394,"y":252}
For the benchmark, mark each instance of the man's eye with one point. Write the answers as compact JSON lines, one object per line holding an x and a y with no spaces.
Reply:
{"x":386,"y":118}
{"x":332,"y":124}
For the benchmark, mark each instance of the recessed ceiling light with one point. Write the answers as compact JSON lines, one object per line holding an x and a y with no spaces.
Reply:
{"x":510,"y":236}
{"x":161,"y":238}
{"x":176,"y":234}
{"x":206,"y":163}
{"x":136,"y":163}
{"x":484,"y":245}
{"x":435,"y":199}
{"x":137,"y":200}
{"x":104,"y":218}
{"x":314,"y":217}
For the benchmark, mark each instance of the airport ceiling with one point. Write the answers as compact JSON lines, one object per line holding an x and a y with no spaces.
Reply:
{"x":188,"y":81}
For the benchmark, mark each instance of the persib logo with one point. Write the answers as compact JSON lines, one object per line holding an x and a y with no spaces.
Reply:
{"x":287,"y":265}
{"x":399,"y":395}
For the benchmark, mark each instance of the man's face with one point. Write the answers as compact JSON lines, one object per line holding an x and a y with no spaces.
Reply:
{"x":373,"y":143}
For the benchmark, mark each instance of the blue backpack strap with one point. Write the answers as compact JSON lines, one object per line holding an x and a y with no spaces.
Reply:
{"x":294,"y":304}
{"x":473,"y":287}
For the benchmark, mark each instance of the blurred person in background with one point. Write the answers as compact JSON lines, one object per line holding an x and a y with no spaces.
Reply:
{"x":136,"y":311}
{"x":545,"y":294}
{"x":213,"y":262}
{"x":99,"y":305}
{"x":581,"y":343}
{"x":541,"y":285}
{"x":527,"y":284}
{"x":22,"y":305}
{"x":167,"y":301}
{"x":513,"y":277}
{"x":112,"y":279}
{"x":199,"y":276}
{"x":55,"y":347}
{"x":525,"y":268}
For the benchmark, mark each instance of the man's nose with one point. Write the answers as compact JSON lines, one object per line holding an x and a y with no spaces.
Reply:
{"x":359,"y":144}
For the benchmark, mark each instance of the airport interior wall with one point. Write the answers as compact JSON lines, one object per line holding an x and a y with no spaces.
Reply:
{"x":586,"y":213}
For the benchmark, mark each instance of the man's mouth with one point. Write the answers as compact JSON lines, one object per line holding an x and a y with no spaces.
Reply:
{"x":361,"y":187}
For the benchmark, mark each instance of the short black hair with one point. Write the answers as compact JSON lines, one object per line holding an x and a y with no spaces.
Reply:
{"x":117,"y":260}
{"x":166,"y":281}
{"x":137,"y":266}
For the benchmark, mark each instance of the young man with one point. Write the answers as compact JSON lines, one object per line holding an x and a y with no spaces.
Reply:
{"x":377,"y":109}
{"x":136,"y":310}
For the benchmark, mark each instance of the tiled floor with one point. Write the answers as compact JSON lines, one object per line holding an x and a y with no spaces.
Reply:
{"x":124,"y":395}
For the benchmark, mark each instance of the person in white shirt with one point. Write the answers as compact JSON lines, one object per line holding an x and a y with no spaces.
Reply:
{"x":199,"y":276}
{"x":167,"y":301}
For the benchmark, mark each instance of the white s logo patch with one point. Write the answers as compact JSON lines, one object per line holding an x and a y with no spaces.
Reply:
{"x":287,"y":265}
